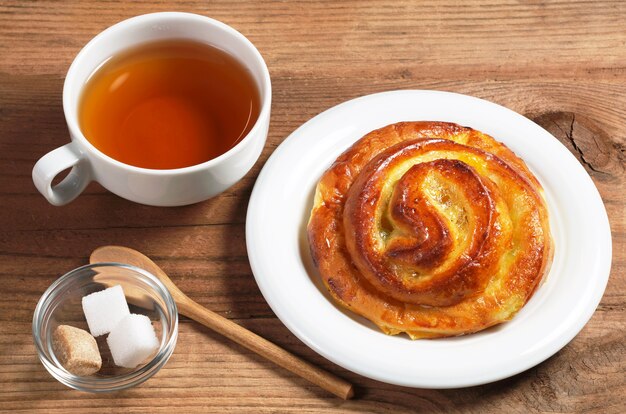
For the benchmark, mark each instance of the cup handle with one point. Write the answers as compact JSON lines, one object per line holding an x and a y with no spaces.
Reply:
{"x":52,"y":164}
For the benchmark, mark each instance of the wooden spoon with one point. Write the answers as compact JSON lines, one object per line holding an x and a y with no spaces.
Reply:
{"x":224,"y":326}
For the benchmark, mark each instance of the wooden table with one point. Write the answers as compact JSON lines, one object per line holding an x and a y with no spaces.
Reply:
{"x":563,"y":64}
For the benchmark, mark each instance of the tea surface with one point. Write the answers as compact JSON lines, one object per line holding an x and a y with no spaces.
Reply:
{"x":168,"y":104}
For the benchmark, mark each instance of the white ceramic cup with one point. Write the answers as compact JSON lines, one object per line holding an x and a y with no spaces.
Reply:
{"x":173,"y":187}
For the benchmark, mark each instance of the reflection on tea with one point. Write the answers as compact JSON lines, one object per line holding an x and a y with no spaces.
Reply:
{"x":168,"y":104}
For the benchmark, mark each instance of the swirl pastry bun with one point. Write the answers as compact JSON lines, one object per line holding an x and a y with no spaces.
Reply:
{"x":430,"y":228}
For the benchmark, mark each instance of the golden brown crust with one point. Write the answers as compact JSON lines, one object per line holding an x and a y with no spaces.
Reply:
{"x":430,"y":228}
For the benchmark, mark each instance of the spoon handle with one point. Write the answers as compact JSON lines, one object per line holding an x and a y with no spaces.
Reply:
{"x":265,"y":348}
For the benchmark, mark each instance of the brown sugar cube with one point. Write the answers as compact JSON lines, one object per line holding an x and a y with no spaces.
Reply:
{"x":76,"y":350}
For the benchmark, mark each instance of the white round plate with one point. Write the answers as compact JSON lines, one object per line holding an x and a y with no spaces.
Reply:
{"x":279,"y":253}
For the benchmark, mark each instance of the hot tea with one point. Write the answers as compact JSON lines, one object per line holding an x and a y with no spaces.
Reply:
{"x":168,"y":104}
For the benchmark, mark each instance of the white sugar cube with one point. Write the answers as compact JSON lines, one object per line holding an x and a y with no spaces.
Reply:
{"x":104,"y":309}
{"x":132,"y":341}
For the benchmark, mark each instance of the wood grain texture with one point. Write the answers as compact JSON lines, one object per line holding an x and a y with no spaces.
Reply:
{"x":562,"y":63}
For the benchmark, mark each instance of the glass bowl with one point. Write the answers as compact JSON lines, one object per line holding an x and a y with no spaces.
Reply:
{"x":61,"y":305}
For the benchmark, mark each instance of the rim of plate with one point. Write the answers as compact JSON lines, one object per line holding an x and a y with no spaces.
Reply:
{"x":537,"y":332}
